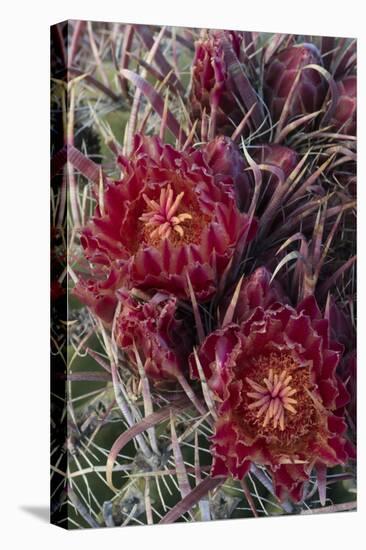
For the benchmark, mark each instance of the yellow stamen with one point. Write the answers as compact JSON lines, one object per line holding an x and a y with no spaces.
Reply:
{"x":163,"y":216}
{"x":273,"y":398}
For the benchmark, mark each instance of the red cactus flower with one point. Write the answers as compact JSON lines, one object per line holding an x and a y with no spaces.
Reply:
{"x":157,"y":333}
{"x":273,"y":372}
{"x":99,"y":292}
{"x":212,"y":88}
{"x":344,"y":117}
{"x":170,"y":217}
{"x":280,"y":76}
{"x":281,"y":157}
{"x":228,"y":166}
{"x":276,"y":155}
{"x":257,"y":291}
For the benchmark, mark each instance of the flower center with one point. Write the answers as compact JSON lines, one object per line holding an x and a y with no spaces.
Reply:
{"x":279,"y":402}
{"x":273,"y":399}
{"x":163,"y":217}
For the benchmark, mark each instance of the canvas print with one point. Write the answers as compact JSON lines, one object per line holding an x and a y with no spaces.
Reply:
{"x":203,"y":262}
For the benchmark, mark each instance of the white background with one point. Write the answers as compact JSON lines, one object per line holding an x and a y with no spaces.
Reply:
{"x":24,"y":287}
